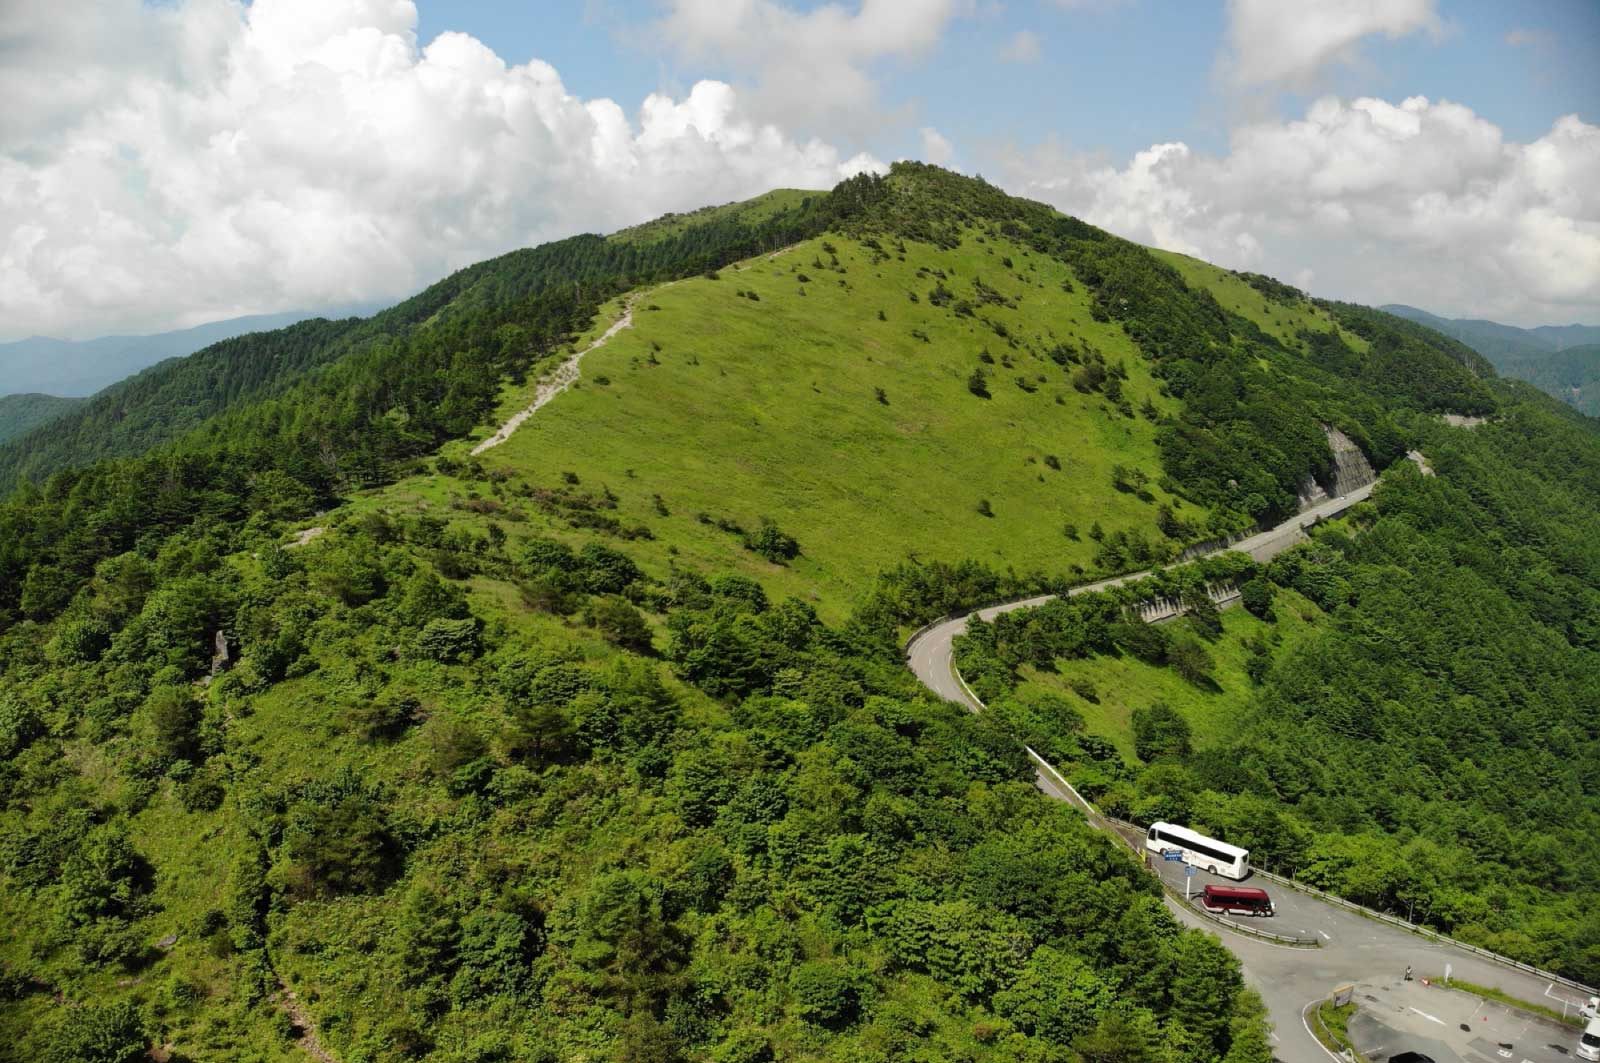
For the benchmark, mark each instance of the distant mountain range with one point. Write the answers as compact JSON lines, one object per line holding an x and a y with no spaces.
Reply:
{"x":1561,"y":360}
{"x":82,"y":367}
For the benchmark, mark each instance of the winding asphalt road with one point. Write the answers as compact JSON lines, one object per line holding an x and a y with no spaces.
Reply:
{"x":1354,"y":948}
{"x":930,"y":652}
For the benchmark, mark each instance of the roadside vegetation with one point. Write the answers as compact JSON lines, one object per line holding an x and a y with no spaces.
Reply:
{"x":601,"y":745}
{"x":1399,"y":719}
{"x":1331,"y":1026}
{"x":1544,"y":1011}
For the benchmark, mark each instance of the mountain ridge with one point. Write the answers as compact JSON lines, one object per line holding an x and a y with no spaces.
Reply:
{"x":1561,"y":360}
{"x":601,"y":743}
{"x":80,"y":368}
{"x":22,"y":413}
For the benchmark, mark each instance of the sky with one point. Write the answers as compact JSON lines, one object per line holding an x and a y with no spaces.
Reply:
{"x":165,"y":163}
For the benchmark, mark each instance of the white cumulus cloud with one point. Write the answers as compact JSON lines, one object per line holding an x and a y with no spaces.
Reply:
{"x":206,"y":158}
{"x":1419,"y":202}
{"x":1288,"y":43}
{"x":936,"y":147}
{"x":814,"y":65}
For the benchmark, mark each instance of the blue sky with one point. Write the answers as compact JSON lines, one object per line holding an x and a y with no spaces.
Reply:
{"x":214,"y":158}
{"x":1111,"y":76}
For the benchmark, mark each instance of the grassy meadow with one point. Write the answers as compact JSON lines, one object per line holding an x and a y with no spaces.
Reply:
{"x":742,"y":409}
{"x":1122,"y":682}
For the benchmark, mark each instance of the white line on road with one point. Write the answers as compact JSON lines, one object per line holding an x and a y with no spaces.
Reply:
{"x":1314,"y":1038}
{"x":1430,"y":1018}
{"x":1325,"y":935}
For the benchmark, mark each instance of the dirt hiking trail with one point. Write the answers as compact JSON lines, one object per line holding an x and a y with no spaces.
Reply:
{"x":564,"y":377}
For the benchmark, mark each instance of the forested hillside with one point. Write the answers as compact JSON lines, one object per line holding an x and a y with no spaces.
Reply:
{"x":1400,"y":714}
{"x":82,"y":367}
{"x":450,"y":793}
{"x":1563,"y":361}
{"x":20,"y":414}
{"x":600,"y":745}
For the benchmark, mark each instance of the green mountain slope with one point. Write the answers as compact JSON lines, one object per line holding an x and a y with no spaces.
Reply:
{"x":21,"y":414}
{"x":747,"y":212}
{"x":1564,"y":336}
{"x":1398,"y":715}
{"x":561,"y":750}
{"x":84,"y":367}
{"x":776,"y":392}
{"x":168,"y":399}
{"x":462,"y":332}
{"x":875,"y":398}
{"x":1563,"y":361}
{"x":453,"y":797}
{"x":1490,"y":338}
{"x":1571,"y":374}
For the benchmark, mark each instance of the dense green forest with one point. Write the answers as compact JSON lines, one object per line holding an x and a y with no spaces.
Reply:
{"x":1428,"y":750}
{"x":21,"y":414}
{"x":485,"y":833}
{"x":473,"y":783}
{"x":1563,"y":361}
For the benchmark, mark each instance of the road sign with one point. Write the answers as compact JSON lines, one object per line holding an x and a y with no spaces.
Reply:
{"x":1172,"y":855}
{"x":1188,"y":872}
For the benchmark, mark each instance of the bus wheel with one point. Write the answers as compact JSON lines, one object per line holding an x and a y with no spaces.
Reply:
{"x":1212,"y":869}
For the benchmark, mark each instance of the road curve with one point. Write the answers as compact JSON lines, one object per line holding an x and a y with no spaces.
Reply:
{"x":1355,"y":949}
{"x":931,"y":651}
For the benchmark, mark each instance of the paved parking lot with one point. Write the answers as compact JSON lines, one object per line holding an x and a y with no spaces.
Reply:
{"x":1374,"y":956}
{"x":1452,"y":1027}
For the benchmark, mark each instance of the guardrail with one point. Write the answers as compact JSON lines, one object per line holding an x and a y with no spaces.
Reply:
{"x":1427,"y":932}
{"x":1094,"y":814}
{"x":1392,"y":920}
{"x":1110,"y":824}
{"x":905,"y":651}
{"x":1222,"y":598}
{"x":1110,"y":583}
{"x":959,"y":613}
{"x":1338,"y":1048}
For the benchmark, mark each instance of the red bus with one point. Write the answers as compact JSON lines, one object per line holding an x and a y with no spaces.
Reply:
{"x":1237,"y":900}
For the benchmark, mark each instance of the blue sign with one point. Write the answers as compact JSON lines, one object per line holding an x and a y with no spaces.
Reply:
{"x":1188,"y":872}
{"x":1173,"y":855}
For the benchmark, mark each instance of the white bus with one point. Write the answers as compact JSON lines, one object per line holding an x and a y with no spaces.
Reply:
{"x":1219,"y":858}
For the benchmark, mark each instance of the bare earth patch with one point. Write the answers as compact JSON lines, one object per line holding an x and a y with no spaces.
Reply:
{"x":564,"y":377}
{"x":303,"y":537}
{"x":290,"y":1003}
